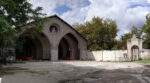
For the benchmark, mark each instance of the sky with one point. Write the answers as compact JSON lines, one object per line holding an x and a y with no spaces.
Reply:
{"x":126,"y":13}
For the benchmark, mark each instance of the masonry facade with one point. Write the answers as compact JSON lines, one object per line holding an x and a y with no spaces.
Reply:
{"x":58,"y":41}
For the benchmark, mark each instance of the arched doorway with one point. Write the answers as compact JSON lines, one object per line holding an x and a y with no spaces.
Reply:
{"x":68,"y":48}
{"x":35,"y":47}
{"x":29,"y":48}
{"x":135,"y":52}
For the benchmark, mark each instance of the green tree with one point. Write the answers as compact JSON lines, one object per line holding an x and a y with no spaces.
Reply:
{"x":100,"y":33}
{"x":146,"y":32}
{"x":13,"y":15}
{"x":125,"y":37}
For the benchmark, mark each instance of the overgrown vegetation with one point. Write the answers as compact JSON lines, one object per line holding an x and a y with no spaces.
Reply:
{"x":13,"y":15}
{"x":145,"y":60}
{"x":146,"y":31}
{"x":4,"y":71}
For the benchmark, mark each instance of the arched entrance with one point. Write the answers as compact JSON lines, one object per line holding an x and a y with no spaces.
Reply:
{"x":134,"y":46}
{"x":36,"y":47}
{"x":135,"y":52}
{"x":68,"y":48}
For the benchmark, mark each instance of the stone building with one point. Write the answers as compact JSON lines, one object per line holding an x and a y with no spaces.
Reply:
{"x":58,"y":41}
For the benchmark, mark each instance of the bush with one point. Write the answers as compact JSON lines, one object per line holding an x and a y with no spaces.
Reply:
{"x":140,"y":59}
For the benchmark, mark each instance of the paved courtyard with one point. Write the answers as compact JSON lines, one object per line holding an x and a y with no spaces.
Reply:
{"x":79,"y":72}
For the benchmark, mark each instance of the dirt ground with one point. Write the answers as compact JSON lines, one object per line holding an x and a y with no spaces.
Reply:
{"x":78,"y":72}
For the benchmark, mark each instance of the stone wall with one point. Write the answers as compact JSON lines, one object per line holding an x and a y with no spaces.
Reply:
{"x":114,"y":55}
{"x":145,"y":54}
{"x":108,"y":55}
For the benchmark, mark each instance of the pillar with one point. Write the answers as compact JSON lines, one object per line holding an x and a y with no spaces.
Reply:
{"x":54,"y":54}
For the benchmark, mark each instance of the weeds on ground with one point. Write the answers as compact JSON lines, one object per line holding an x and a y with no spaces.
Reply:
{"x":9,"y":70}
{"x":38,"y":72}
{"x":4,"y":71}
{"x":71,"y":81}
{"x":87,"y":60}
{"x":144,"y":60}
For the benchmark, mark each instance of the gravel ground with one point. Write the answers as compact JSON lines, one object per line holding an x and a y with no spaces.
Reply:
{"x":78,"y":72}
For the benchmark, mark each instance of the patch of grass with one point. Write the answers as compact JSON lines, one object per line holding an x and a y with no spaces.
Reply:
{"x":1,"y":71}
{"x":9,"y":70}
{"x":71,"y":81}
{"x":140,"y":59}
{"x":145,"y":60}
{"x":49,"y":76}
{"x":131,"y":61}
{"x":15,"y":68}
{"x":4,"y":71}
{"x":38,"y":72}
{"x":87,"y":60}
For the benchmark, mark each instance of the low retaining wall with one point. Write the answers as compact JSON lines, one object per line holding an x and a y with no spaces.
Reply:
{"x":114,"y":55}
{"x":145,"y":54}
{"x":105,"y":55}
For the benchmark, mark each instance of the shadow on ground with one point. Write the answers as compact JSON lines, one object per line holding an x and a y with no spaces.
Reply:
{"x":79,"y":72}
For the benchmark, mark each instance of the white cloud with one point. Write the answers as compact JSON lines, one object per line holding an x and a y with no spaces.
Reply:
{"x":148,"y":1}
{"x":127,"y":13}
{"x":77,"y":14}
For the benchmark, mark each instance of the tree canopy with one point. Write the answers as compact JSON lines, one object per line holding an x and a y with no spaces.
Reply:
{"x":146,"y":33}
{"x":100,"y":33}
{"x":126,"y":36}
{"x":13,"y":15}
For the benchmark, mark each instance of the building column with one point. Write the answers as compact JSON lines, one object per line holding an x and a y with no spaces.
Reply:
{"x":83,"y":54}
{"x":54,"y":54}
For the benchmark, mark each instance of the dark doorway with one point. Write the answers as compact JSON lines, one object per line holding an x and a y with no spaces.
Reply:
{"x":29,"y":49}
{"x":69,"y":48}
{"x":135,"y":53}
{"x":64,"y":50}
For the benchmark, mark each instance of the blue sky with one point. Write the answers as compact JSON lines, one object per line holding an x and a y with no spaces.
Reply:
{"x":62,"y":9}
{"x":126,"y":13}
